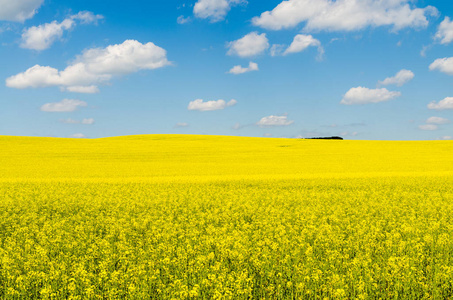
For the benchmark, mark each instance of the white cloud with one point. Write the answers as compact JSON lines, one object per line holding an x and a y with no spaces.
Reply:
{"x":89,"y":121}
{"x":87,"y":17}
{"x":437,"y":120}
{"x":69,"y":121}
{"x":344,"y":15}
{"x":183,"y":20}
{"x":399,"y":79}
{"x":179,"y":125}
{"x":91,"y":89}
{"x":77,"y":136}
{"x":43,"y":36}
{"x":424,"y":50}
{"x":446,"y":103}
{"x":214,"y":10}
{"x":65,"y":105}
{"x":302,"y":42}
{"x":237,"y":126}
{"x":198,"y":104}
{"x":274,"y":121}
{"x":93,"y":67}
{"x":18,"y":10}
{"x":240,"y":70}
{"x":446,"y":137}
{"x":444,"y":65}
{"x":445,"y":31}
{"x":250,"y":45}
{"x":363,"y":95}
{"x":277,"y":49}
{"x":429,"y":127}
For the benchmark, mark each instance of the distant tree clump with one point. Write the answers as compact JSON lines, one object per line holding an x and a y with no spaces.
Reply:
{"x":326,"y":138}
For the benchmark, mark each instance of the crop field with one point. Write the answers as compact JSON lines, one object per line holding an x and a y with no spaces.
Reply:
{"x":212,"y":217}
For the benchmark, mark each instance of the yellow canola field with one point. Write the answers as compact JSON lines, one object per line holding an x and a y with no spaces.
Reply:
{"x":212,"y":217}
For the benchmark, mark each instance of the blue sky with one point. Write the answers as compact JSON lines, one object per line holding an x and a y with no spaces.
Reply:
{"x":370,"y":69}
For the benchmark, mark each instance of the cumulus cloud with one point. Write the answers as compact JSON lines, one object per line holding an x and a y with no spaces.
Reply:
{"x":198,"y":104}
{"x":302,"y":42}
{"x":446,"y":137}
{"x":18,"y":10}
{"x":89,"y":121}
{"x":250,"y":45}
{"x":429,"y":127}
{"x":344,"y":15}
{"x":214,"y":10}
{"x":444,"y":32}
{"x":65,"y":105}
{"x":363,"y":95}
{"x":437,"y":120}
{"x":77,"y":136}
{"x":43,"y":36}
{"x":399,"y":79}
{"x":446,"y":103}
{"x":240,"y":70}
{"x":444,"y":65}
{"x":95,"y":66}
{"x":274,"y":121}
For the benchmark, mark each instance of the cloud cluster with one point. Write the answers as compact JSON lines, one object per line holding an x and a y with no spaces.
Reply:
{"x":18,"y":10}
{"x":198,"y":104}
{"x":95,"y":66}
{"x":399,"y":79}
{"x":214,"y":10}
{"x":240,"y":70}
{"x":250,"y":45}
{"x":253,"y":44}
{"x":433,"y":123}
{"x":446,"y":103}
{"x":344,"y":15}
{"x":363,"y":95}
{"x":274,"y":121}
{"x":65,"y":105}
{"x":444,"y":32}
{"x":43,"y":36}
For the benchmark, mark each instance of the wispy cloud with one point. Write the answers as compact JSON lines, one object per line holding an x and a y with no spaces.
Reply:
{"x":65,"y":105}
{"x":200,"y":105}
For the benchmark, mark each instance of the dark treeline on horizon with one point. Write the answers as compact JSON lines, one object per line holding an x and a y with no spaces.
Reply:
{"x":325,"y":138}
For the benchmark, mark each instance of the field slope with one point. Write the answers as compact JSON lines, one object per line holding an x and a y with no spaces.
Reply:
{"x":187,"y":216}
